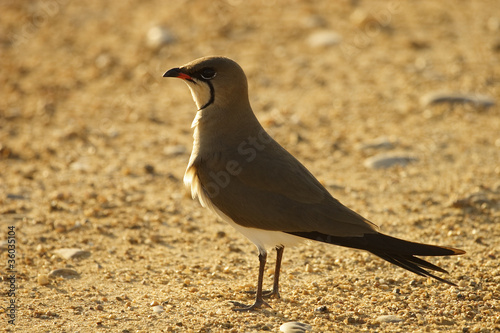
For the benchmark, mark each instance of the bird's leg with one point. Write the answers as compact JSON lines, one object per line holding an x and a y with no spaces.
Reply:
{"x":275,"y":292}
{"x":259,"y":301}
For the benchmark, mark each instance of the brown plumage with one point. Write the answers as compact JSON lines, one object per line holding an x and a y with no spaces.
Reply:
{"x":238,"y":171}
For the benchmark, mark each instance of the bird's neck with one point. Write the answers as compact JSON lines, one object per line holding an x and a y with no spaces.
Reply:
{"x":217,"y":128}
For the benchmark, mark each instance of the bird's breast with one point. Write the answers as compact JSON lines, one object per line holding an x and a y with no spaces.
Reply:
{"x":263,"y":239}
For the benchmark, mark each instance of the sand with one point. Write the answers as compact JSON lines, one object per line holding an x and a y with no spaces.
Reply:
{"x":94,"y":144}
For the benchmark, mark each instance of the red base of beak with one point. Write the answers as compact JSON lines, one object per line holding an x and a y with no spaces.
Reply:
{"x":176,"y":72}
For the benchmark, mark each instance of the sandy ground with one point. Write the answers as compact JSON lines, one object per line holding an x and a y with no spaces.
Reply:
{"x":94,"y":143}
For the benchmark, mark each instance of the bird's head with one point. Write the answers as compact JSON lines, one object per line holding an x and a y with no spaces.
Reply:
{"x":214,"y":81}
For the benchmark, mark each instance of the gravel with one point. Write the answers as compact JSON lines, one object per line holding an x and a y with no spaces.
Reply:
{"x":94,"y":144}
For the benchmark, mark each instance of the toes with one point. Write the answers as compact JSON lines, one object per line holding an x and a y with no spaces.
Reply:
{"x":240,"y":307}
{"x":271,"y":293}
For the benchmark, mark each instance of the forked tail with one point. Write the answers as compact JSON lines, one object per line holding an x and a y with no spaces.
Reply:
{"x":396,"y":251}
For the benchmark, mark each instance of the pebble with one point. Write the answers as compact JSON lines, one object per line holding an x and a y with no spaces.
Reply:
{"x":321,"y":309}
{"x":158,"y":36}
{"x":384,"y":160}
{"x":103,"y":61}
{"x":43,"y":279}
{"x":158,"y":309}
{"x":389,"y":319}
{"x":324,"y":38}
{"x":80,"y":165}
{"x":72,"y":253}
{"x":149,"y":169}
{"x":378,"y":143}
{"x":454,"y":97}
{"x":64,"y":272}
{"x":295,"y":327}
{"x":13,"y":196}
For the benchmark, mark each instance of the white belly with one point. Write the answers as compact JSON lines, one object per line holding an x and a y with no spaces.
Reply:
{"x":264,"y":239}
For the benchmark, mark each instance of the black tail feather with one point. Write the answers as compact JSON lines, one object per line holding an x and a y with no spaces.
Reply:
{"x":407,"y":262}
{"x":426,"y":264}
{"x":394,"y":250}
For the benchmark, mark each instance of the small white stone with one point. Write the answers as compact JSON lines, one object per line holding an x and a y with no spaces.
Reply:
{"x":158,"y":309}
{"x":158,"y":36}
{"x":324,"y":38}
{"x":81,"y":164}
{"x":103,"y":61}
{"x":64,"y":272}
{"x":383,"y":161}
{"x":378,"y":143}
{"x":72,"y":253}
{"x":43,"y":279}
{"x":295,"y":327}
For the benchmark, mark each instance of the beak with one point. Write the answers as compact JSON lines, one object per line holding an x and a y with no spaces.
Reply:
{"x":177,"y":72}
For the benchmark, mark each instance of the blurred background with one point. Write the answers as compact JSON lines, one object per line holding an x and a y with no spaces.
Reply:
{"x":82,"y":83}
{"x":94,"y":142}
{"x":98,"y":65}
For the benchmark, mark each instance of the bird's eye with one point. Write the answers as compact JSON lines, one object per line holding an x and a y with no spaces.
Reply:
{"x":208,"y":73}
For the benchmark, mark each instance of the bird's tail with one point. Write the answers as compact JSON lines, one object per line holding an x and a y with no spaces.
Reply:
{"x":396,"y":251}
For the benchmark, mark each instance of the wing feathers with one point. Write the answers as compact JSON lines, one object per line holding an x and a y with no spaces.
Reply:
{"x":273,"y":191}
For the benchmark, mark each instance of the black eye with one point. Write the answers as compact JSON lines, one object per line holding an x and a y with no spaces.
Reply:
{"x":208,"y":73}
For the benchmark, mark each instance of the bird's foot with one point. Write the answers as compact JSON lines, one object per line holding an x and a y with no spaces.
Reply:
{"x":267,"y":293}
{"x":271,"y":294}
{"x":240,"y":307}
